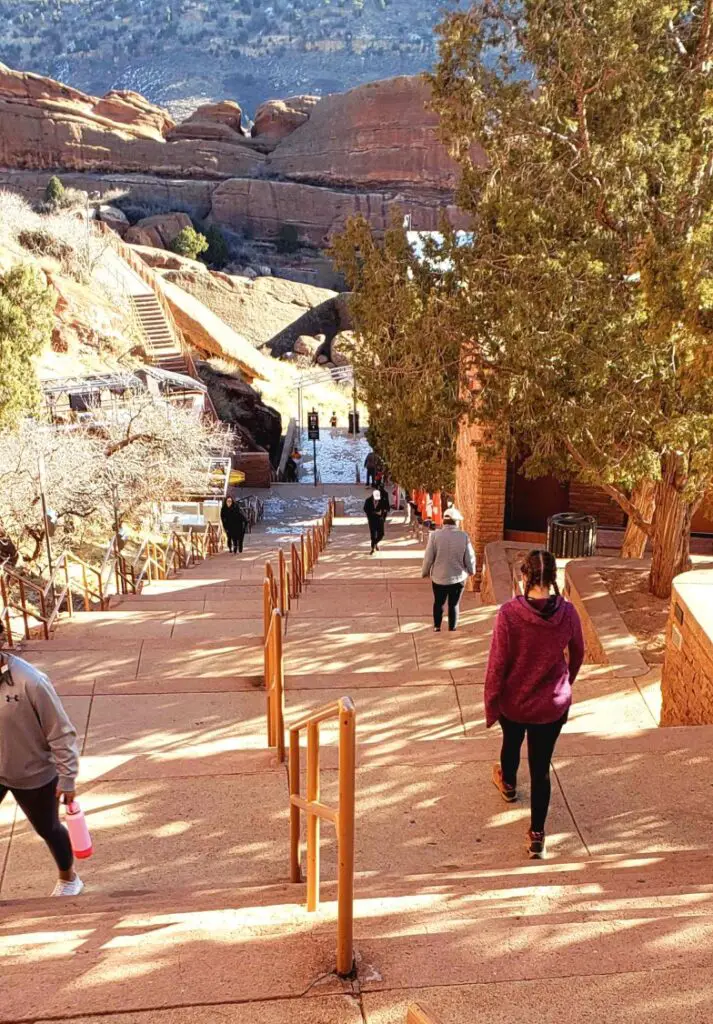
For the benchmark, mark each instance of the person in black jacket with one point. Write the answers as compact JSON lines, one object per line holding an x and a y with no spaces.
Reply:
{"x":376,"y":509}
{"x":234,"y":523}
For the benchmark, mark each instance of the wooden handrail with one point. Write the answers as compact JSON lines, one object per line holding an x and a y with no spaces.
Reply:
{"x":343,"y":817}
{"x":417,"y":1015}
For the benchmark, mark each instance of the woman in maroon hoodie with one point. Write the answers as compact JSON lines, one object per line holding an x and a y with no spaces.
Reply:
{"x":528,"y":685}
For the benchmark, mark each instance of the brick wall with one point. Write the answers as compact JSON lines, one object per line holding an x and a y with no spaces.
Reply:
{"x":480,"y":490}
{"x":594,"y":501}
{"x":687,"y":680}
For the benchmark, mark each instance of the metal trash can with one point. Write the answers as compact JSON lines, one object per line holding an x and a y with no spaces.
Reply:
{"x":572,"y":535}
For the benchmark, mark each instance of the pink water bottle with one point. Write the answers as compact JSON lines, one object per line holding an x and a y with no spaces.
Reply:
{"x":78,"y":832}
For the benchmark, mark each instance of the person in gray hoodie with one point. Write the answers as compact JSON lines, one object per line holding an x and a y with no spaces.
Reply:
{"x":39,"y":758}
{"x":449,"y":561}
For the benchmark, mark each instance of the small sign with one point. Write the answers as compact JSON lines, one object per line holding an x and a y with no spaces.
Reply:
{"x":678,"y":612}
{"x":677,"y":638}
{"x":313,"y":426}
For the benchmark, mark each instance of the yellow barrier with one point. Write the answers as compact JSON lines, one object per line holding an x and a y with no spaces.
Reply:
{"x":275,"y":685}
{"x":343,"y":818}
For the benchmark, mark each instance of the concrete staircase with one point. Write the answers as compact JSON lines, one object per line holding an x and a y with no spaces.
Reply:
{"x":188,"y":917}
{"x":164,"y":349}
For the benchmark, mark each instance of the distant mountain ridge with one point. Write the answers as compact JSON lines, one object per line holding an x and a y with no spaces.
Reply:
{"x":180,"y":53}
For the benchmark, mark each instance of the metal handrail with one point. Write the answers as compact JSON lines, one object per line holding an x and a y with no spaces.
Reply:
{"x":275,"y":684}
{"x":343,"y":817}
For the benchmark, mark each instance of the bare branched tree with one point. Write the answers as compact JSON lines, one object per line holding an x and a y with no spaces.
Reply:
{"x":154,"y":452}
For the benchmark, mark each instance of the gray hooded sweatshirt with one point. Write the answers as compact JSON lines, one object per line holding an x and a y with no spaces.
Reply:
{"x":37,"y":740}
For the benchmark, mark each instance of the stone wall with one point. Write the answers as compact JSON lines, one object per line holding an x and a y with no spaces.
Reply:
{"x":480,"y":490}
{"x":687,"y":681}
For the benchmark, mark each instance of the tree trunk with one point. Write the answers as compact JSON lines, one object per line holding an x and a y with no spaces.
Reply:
{"x":671,"y":528}
{"x":635,"y":540}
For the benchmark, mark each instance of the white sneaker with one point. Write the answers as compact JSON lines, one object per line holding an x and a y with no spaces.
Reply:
{"x":73,"y":888}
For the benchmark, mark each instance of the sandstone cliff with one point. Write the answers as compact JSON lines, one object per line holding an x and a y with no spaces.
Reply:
{"x":377,"y":134}
{"x":44,"y":124}
{"x":311,"y":163}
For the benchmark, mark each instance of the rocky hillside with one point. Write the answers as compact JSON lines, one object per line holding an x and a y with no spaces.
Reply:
{"x":307,"y":163}
{"x":181,"y":52}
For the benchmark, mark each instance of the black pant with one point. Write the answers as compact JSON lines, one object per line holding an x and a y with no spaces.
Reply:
{"x":541,"y":740}
{"x":235,"y":541}
{"x":41,"y":808}
{"x":451,"y":592}
{"x":376,"y":530}
{"x":370,"y":476}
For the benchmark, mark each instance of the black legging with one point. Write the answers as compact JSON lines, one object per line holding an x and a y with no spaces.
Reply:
{"x":541,"y":740}
{"x":41,"y":808}
{"x":236,"y":540}
{"x":451,"y":592}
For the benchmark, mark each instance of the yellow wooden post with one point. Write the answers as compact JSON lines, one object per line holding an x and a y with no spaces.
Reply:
{"x":278,"y":687}
{"x":345,"y":834}
{"x":313,"y":823}
{"x":295,"y":869}
{"x":284,"y":596}
{"x":417,"y":1015}
{"x":266,"y":609}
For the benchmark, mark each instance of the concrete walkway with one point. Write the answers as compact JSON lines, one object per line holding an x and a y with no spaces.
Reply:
{"x":188,"y":916}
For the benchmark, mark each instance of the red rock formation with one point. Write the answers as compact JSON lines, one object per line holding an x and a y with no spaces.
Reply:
{"x":225,"y":112}
{"x":276,"y":119}
{"x":377,"y":134}
{"x":44,"y":124}
{"x":159,"y":231}
{"x":264,"y":207}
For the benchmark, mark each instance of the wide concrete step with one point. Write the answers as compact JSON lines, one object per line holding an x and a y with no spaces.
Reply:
{"x":544,"y":930}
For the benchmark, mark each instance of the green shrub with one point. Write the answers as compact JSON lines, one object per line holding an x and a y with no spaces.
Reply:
{"x":288,"y":239}
{"x":189,"y":243}
{"x":218,"y":253}
{"x":54,"y":193}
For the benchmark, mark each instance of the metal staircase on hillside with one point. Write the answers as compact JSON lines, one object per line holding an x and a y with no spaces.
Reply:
{"x":164,"y":349}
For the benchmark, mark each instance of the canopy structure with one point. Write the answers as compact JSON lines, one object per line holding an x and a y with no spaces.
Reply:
{"x":69,"y":399}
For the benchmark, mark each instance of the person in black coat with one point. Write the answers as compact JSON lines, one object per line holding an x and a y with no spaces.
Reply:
{"x":376,"y":509}
{"x":234,"y":523}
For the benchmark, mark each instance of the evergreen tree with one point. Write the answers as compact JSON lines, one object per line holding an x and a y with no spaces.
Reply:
{"x":55,"y":191}
{"x":589,"y":288}
{"x":26,"y":306}
{"x":407,"y":355}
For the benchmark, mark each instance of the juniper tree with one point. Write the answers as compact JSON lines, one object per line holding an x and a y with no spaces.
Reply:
{"x":26,"y":306}
{"x":589,"y":287}
{"x":407,"y":353}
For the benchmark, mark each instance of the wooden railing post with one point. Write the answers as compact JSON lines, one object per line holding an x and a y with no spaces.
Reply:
{"x":278,"y":688}
{"x":313,"y":822}
{"x":303,"y":546}
{"x":345,"y":837}
{"x":284,"y":591}
{"x":295,"y":868}
{"x":266,"y":608}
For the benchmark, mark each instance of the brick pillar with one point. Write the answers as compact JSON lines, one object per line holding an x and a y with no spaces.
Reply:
{"x":480,"y":489}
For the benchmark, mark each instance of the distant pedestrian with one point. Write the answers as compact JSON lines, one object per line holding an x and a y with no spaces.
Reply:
{"x":376,"y":508}
{"x":370,"y":467}
{"x":235,"y":524}
{"x":39,"y":758}
{"x":449,"y":561}
{"x":528,"y":685}
{"x":333,"y":421}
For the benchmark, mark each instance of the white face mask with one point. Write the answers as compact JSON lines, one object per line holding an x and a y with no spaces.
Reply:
{"x":376,"y":495}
